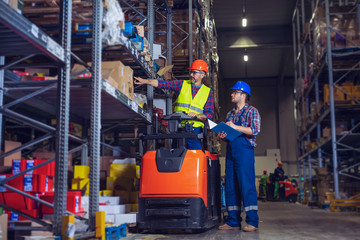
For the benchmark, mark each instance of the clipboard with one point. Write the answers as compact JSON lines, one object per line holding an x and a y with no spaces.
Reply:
{"x":231,"y":133}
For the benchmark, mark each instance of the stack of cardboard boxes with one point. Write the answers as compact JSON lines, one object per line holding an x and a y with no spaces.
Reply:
{"x":324,"y":185}
{"x":114,"y":72}
{"x":345,"y":27}
{"x":352,"y":92}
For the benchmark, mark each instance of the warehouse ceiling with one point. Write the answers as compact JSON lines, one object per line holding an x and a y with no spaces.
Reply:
{"x":267,"y":39}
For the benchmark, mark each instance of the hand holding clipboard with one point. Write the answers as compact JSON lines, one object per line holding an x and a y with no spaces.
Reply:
{"x":231,"y":133}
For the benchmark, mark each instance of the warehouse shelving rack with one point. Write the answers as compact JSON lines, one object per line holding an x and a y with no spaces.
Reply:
{"x":27,"y":39}
{"x":18,"y":36}
{"x":339,"y":147}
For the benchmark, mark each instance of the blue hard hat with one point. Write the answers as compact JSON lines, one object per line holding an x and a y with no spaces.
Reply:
{"x":243,"y":86}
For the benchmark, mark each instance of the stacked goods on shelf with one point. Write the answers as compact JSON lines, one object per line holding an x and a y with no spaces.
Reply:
{"x":180,"y":43}
{"x":38,"y":182}
{"x":345,"y":93}
{"x":81,"y":179}
{"x":323,"y":185}
{"x":73,"y":203}
{"x":325,"y":189}
{"x":15,"y":4}
{"x":31,"y":74}
{"x":345,"y":27}
{"x":120,"y":199}
{"x":10,"y":145}
{"x":116,"y":73}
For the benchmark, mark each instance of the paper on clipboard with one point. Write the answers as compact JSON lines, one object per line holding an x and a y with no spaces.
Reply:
{"x":231,"y":133}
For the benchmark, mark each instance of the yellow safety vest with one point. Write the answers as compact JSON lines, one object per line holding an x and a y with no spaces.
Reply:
{"x":186,"y":103}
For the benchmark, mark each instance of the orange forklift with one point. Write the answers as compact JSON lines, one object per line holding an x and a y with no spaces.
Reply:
{"x":179,"y":188}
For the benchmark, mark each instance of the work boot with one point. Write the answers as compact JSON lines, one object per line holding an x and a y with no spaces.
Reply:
{"x":249,"y":228}
{"x":227,"y":227}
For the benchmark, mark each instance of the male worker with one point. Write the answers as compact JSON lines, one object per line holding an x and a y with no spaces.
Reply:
{"x":240,"y":161}
{"x":278,"y":176}
{"x":193,"y":97}
{"x":262,"y":186}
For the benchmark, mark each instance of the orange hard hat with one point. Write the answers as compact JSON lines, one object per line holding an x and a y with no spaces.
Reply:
{"x":280,"y":163}
{"x":199,"y":65}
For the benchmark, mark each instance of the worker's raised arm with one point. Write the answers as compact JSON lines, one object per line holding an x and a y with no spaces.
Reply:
{"x":151,"y":82}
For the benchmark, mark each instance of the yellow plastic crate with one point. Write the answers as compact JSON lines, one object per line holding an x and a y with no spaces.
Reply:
{"x":81,"y":171}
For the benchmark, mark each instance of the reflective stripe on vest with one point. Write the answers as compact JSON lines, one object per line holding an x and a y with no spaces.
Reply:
{"x":190,"y":107}
{"x":186,"y":103}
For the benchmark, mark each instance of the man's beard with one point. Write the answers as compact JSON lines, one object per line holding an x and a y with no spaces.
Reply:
{"x":193,"y":80}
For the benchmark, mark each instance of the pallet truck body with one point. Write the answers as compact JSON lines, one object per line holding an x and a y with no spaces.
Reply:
{"x":179,"y":188}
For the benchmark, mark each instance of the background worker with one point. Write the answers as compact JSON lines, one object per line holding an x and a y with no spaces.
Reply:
{"x":240,"y":161}
{"x":193,"y":97}
{"x":278,"y":176}
{"x":262,"y":186}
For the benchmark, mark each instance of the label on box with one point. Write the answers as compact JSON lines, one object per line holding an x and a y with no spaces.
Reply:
{"x":2,"y":189}
{"x":47,"y":184}
{"x":28,"y":180}
{"x":29,"y":164}
{"x":77,"y":204}
{"x":16,"y":166}
{"x":14,"y":217}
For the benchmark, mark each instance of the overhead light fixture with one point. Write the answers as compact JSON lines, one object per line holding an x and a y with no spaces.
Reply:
{"x":244,"y":19}
{"x":244,"y":22}
{"x":246,"y":57}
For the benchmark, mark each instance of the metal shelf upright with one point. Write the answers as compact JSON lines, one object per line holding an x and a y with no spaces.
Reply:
{"x":18,"y":36}
{"x":330,"y":64}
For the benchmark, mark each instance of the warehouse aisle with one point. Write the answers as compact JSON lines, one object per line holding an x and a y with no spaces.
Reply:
{"x":283,"y":221}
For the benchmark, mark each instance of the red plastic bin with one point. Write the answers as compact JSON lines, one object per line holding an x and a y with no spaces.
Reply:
{"x":48,"y":169}
{"x":44,"y":183}
{"x":17,"y":182}
{"x":33,"y":213}
{"x":18,"y":201}
{"x":73,"y":200}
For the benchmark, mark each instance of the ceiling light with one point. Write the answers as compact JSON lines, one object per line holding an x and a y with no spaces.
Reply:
{"x":244,"y":22}
{"x":244,"y":19}
{"x":246,"y":58}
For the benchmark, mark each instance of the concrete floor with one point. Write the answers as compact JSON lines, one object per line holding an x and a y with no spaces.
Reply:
{"x":283,"y":221}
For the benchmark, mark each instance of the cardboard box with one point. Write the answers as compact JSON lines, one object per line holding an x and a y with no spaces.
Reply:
{"x":326,"y":132}
{"x":338,"y":95}
{"x":120,"y":76}
{"x":140,"y":30}
{"x":13,"y":4}
{"x":4,"y":225}
{"x":105,"y":162}
{"x":127,"y":83}
{"x":10,"y":145}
